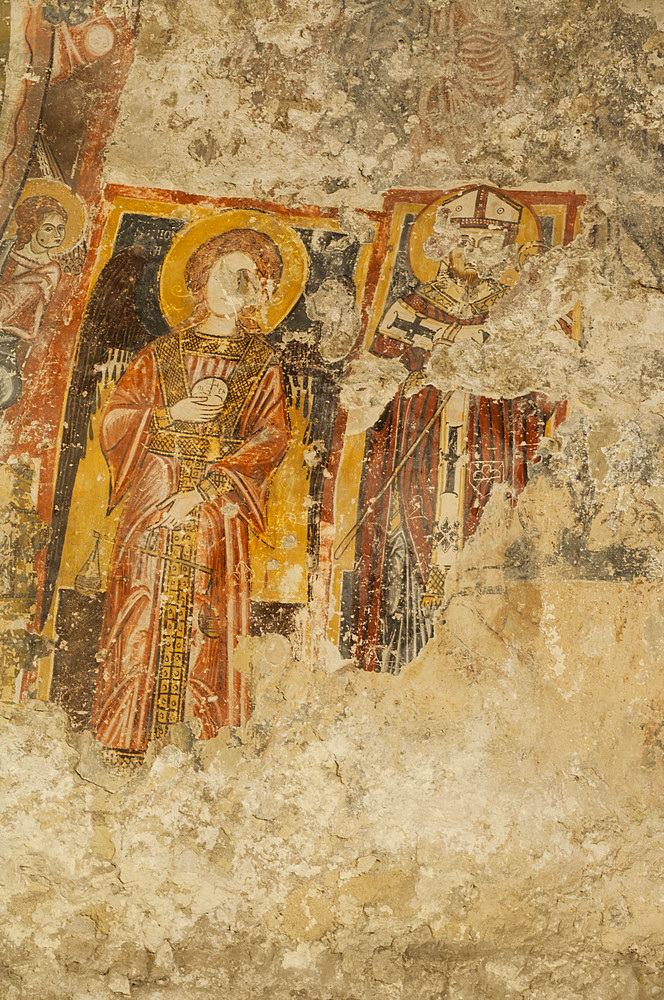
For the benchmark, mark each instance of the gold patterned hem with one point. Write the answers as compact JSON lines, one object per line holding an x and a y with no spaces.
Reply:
{"x":123,"y":760}
{"x":175,"y":619}
{"x":434,"y":595}
{"x":437,"y":292}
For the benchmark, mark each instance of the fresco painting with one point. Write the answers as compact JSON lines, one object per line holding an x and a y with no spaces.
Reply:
{"x":411,"y":488}
{"x":47,"y":223}
{"x":208,"y":484}
{"x":176,"y":371}
{"x":431,"y":458}
{"x":331,"y":499}
{"x":140,"y":302}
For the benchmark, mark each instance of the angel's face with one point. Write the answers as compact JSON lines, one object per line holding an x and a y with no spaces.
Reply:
{"x":233,"y":285}
{"x":50,"y":234}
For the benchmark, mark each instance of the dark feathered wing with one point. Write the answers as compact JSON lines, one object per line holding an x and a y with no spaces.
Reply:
{"x":111,"y":335}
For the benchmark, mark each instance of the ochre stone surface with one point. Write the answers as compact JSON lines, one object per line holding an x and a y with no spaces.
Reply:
{"x":480,"y":826}
{"x":486,"y":825}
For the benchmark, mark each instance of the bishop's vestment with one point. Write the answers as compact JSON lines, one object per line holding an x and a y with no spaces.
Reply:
{"x":409,"y":541}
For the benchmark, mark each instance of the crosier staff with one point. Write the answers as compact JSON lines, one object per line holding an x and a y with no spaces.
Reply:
{"x":350,"y":535}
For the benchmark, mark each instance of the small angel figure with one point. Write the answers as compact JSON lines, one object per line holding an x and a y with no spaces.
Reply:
{"x":29,"y":280}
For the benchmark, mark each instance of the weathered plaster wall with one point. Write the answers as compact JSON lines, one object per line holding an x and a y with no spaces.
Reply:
{"x":486,"y":825}
{"x":334,"y":100}
{"x":479,"y":827}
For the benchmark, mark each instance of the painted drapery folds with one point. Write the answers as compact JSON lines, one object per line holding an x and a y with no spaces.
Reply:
{"x":331,"y":499}
{"x":192,"y":435}
{"x":423,"y":471}
{"x":178,"y":596}
{"x":440,"y":453}
{"x":47,"y":222}
{"x":214,"y":479}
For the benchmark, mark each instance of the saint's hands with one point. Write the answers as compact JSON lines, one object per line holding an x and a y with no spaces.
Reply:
{"x":196,"y":408}
{"x":180,"y":507}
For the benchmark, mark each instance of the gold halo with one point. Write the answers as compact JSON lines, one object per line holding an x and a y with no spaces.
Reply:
{"x":72,"y":204}
{"x":176,"y":302}
{"x":426,"y":269}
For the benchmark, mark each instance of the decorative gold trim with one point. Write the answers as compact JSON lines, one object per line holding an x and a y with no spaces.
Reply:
{"x":161,"y":419}
{"x":232,"y":348}
{"x":435,"y":590}
{"x":244,"y":379}
{"x":172,"y":374}
{"x":256,"y":356}
{"x":175,"y":618}
{"x":214,"y":485}
{"x":194,"y":447}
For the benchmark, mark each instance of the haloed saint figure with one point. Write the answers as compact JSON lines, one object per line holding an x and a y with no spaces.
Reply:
{"x":192,"y":435}
{"x":440,"y":457}
{"x":29,"y":279}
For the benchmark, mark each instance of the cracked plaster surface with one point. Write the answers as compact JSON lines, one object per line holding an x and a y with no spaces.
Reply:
{"x":487,"y":825}
{"x":324,"y":96}
{"x":472,"y":828}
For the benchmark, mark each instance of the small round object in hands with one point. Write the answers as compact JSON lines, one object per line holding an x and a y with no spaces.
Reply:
{"x":212,"y":390}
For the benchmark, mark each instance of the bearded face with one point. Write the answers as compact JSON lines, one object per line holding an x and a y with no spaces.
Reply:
{"x":480,"y":254}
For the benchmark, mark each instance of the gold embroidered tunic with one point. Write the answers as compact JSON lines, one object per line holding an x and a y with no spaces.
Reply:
{"x":178,"y":599}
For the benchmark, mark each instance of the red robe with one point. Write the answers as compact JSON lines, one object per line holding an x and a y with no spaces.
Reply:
{"x":173,"y":615}
{"x":503,"y":436}
{"x":25,"y":291}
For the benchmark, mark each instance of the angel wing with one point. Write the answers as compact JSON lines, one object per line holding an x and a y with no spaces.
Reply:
{"x":111,"y":335}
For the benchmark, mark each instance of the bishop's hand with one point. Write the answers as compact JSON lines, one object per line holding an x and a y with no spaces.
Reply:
{"x":196,"y":408}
